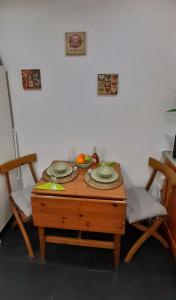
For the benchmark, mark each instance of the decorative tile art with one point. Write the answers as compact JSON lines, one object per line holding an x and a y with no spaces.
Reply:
{"x":31,"y":79}
{"x":107,"y":84}
{"x":75,"y":43}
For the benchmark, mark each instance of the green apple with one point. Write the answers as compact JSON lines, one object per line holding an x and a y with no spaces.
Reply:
{"x":87,"y":159}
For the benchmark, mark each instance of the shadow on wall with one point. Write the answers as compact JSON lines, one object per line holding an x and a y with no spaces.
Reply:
{"x":1,"y":62}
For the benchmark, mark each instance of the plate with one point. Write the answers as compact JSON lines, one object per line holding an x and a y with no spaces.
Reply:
{"x":95,"y":175}
{"x":51,"y":173}
{"x":105,"y":171}
{"x":60,"y":167}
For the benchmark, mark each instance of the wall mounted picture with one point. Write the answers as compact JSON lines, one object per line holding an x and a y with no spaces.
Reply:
{"x":107,"y":84}
{"x":75,"y":43}
{"x":31,"y":79}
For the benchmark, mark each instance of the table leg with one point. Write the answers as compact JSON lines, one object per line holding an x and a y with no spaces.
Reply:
{"x":42,"y":242}
{"x":117,"y":238}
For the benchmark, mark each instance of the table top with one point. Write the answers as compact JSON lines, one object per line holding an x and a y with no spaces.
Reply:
{"x":78,"y":188}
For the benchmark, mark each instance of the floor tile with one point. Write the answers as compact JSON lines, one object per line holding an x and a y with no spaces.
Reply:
{"x":73,"y":273}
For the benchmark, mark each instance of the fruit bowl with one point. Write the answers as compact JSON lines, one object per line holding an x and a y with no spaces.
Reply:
{"x":83,"y":160}
{"x":84,"y":166}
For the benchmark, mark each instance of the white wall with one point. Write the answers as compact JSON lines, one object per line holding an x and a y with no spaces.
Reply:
{"x":136,"y":39}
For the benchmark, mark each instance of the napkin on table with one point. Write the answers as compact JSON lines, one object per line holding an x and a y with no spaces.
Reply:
{"x":49,"y":186}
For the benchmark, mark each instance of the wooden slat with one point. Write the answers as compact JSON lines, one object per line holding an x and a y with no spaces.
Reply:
{"x":150,"y":181}
{"x":12,"y":164}
{"x":79,"y":214}
{"x":60,"y":202}
{"x":77,"y":224}
{"x":79,"y":199}
{"x":7,"y":178}
{"x":164,"y":169}
{"x":33,"y":172}
{"x":80,"y":242}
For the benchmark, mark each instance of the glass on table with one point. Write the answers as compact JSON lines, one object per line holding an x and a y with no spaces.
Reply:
{"x":71,"y":154}
{"x":103,"y":156}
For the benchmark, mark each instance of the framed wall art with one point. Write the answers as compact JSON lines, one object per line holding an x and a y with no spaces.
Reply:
{"x":107,"y":84}
{"x":31,"y":79}
{"x":75,"y":43}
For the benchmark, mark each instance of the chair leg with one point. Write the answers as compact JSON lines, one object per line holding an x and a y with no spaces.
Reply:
{"x":136,"y":246}
{"x":42,"y":242}
{"x":117,"y":239}
{"x":161,"y":239}
{"x":154,"y":234}
{"x":143,"y":238}
{"x":24,"y":233}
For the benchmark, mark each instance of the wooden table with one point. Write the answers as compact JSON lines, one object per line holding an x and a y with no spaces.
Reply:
{"x":82,"y":208}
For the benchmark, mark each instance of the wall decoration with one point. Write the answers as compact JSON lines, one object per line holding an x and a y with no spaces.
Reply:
{"x":31,"y":79}
{"x":107,"y":84}
{"x":75,"y":43}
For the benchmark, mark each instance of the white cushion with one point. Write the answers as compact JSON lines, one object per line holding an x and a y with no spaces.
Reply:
{"x":141,"y":205}
{"x":23,"y":200}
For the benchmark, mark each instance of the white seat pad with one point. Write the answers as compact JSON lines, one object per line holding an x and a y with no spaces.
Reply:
{"x":23,"y":200}
{"x":141,"y":205}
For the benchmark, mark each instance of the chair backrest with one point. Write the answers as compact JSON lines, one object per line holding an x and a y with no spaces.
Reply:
{"x":169,"y":174}
{"x":16,"y":163}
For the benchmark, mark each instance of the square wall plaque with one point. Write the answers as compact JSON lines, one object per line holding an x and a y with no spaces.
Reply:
{"x":31,"y":79}
{"x":107,"y":84}
{"x":75,"y":43}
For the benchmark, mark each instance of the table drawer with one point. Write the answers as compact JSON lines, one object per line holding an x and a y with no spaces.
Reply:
{"x":79,"y":214}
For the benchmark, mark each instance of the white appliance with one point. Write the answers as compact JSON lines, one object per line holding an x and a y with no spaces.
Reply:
{"x":7,"y":146}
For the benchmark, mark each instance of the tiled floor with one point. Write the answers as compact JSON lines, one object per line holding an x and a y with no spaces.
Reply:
{"x":74,"y":273}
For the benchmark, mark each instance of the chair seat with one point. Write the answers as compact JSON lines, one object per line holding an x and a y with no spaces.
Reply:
{"x":141,"y":205}
{"x":22,"y":199}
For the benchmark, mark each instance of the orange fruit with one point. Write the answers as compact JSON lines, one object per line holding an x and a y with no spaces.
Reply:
{"x":82,"y":155}
{"x":80,"y":160}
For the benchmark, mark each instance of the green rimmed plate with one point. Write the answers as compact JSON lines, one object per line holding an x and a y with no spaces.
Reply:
{"x":50,"y":172}
{"x":97,"y":177}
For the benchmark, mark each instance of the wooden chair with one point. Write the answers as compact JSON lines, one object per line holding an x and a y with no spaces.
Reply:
{"x":20,"y":197}
{"x":142,"y":206}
